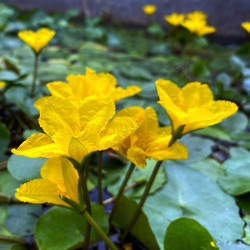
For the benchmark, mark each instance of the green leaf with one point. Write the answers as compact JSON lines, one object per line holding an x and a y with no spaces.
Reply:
{"x":141,"y":176}
{"x":191,"y":194}
{"x":214,"y":132}
{"x":199,"y":69}
{"x":236,"y":123}
{"x":7,"y":75}
{"x":185,"y":234}
{"x":198,"y":148}
{"x":20,"y":96}
{"x":236,"y":177}
{"x":24,"y":168}
{"x":141,"y":230}
{"x":244,"y":202}
{"x":62,"y":228}
{"x":8,"y":184}
{"x":208,"y":167}
{"x":233,"y":246}
{"x":246,"y":238}
{"x":22,"y":218}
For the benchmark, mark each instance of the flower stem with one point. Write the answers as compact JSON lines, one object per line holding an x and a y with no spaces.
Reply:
{"x":100,"y":177}
{"x":121,"y":190}
{"x":85,"y":193}
{"x":13,"y":239}
{"x":142,"y":201}
{"x":34,"y":76}
{"x":92,"y":222}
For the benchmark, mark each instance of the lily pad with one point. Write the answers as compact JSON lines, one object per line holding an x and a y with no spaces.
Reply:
{"x":185,"y":234}
{"x":191,"y":194}
{"x":236,"y":177}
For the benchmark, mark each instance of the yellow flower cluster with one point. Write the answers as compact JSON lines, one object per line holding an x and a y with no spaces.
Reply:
{"x":195,"y":22}
{"x":79,"y":87}
{"x":80,"y":117}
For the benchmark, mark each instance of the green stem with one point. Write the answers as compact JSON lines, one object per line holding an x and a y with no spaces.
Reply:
{"x":12,"y":239}
{"x":121,"y":190}
{"x":142,"y":201}
{"x":4,"y":198}
{"x":92,"y":222}
{"x":100,"y":177}
{"x":34,"y":76}
{"x":85,"y":194}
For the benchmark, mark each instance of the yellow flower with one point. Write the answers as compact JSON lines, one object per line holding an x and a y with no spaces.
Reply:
{"x":246,"y":26}
{"x":149,"y":140}
{"x":192,"y":106}
{"x":36,"y":40}
{"x":149,"y":9}
{"x":2,"y":84}
{"x":75,"y":132}
{"x":198,"y":27}
{"x":197,"y":15}
{"x":59,"y":179}
{"x":175,"y":19}
{"x":80,"y":87}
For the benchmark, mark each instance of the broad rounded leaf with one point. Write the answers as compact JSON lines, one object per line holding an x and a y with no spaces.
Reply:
{"x":236,"y":177}
{"x":62,"y":228}
{"x":186,"y":234}
{"x":191,"y":194}
{"x":25,"y":169}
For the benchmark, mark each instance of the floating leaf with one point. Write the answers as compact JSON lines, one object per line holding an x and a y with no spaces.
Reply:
{"x":67,"y":227}
{"x":141,"y":230}
{"x":236,"y":177}
{"x":191,"y":194}
{"x":186,"y":234}
{"x":21,"y":219}
{"x":25,"y":169}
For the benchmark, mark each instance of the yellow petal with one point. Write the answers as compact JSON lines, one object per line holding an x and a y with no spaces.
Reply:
{"x":59,"y":114}
{"x":59,"y":89}
{"x":137,"y":156}
{"x":168,"y":92}
{"x":77,"y":150}
{"x":41,"y":102}
{"x":176,"y":151}
{"x":223,"y":109}
{"x":71,"y":177}
{"x":2,"y":84}
{"x":52,"y":171}
{"x":195,"y":94}
{"x":39,"y":191}
{"x":121,"y":93}
{"x":38,"y":145}
{"x":95,"y":114}
{"x":117,"y":130}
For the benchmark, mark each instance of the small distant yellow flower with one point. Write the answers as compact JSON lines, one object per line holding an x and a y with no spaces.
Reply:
{"x":198,"y":27}
{"x":149,"y":9}
{"x":37,"y":40}
{"x":246,"y":26}
{"x":76,"y":131}
{"x":212,"y":243}
{"x":149,"y":140}
{"x":59,"y":179}
{"x":80,"y":87}
{"x":2,"y":84}
{"x":197,"y":15}
{"x":192,"y":106}
{"x":175,"y":19}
